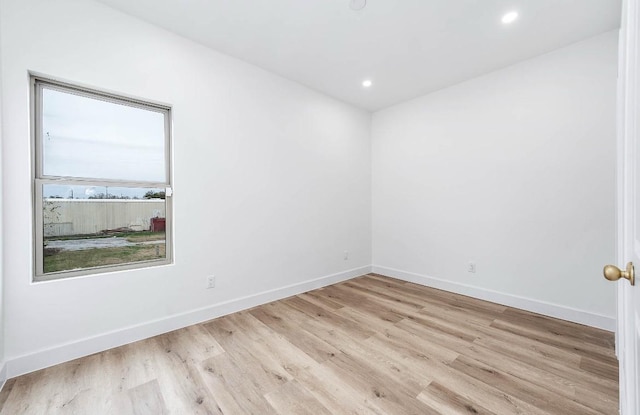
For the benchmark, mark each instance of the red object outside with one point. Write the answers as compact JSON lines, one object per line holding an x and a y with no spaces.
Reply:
{"x":157,"y":224}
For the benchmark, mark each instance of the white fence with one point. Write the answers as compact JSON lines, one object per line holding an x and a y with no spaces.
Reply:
{"x":91,"y":216}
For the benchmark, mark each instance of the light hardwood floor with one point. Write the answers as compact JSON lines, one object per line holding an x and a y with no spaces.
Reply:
{"x":372,"y":345}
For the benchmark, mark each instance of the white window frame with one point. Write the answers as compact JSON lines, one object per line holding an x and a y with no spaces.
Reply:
{"x":39,"y":179}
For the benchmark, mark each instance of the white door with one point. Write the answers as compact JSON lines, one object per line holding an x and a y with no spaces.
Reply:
{"x":628,"y":330}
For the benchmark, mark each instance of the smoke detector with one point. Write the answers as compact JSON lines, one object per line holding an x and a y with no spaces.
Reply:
{"x":357,"y":4}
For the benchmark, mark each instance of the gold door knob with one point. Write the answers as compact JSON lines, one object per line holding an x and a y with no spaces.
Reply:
{"x":613,"y":273}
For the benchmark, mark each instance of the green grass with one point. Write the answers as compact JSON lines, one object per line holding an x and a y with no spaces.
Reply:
{"x":131,"y":236}
{"x":68,"y":260}
{"x":144,"y":236}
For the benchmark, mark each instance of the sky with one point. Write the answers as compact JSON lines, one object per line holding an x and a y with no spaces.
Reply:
{"x":92,"y":138}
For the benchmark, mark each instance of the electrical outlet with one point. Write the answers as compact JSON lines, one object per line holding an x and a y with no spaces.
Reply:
{"x":211,"y":281}
{"x":471,"y":267}
{"x":346,"y":255}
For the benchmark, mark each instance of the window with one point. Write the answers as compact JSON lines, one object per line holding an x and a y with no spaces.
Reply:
{"x":102,"y":191}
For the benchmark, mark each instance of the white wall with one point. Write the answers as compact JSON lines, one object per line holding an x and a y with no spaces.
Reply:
{"x":272,"y":182}
{"x":2,"y":337}
{"x":514,"y":170}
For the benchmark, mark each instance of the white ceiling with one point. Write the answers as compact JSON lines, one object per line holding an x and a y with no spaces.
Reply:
{"x":407,"y":47}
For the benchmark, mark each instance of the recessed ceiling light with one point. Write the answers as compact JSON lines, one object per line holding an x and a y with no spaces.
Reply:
{"x":367,"y":83}
{"x":357,"y":4}
{"x":510,"y":17}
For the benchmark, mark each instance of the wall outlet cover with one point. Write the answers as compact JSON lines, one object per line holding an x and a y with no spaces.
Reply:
{"x":211,"y":281}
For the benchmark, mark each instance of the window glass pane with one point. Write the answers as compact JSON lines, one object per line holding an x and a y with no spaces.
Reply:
{"x":93,"y":226}
{"x":92,"y":138}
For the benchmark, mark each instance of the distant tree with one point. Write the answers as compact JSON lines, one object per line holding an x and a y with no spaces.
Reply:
{"x":107,"y":196}
{"x":154,"y":195}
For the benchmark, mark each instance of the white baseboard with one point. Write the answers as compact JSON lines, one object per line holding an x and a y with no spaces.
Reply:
{"x":62,"y":353}
{"x":541,"y":307}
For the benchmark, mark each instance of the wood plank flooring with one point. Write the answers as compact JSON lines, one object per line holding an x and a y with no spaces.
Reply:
{"x":372,"y":345}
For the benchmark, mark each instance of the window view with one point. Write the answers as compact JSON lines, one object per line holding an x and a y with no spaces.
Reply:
{"x":101,"y":182}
